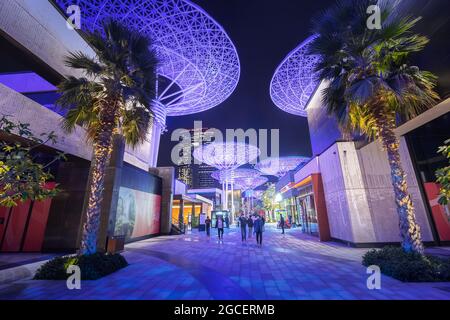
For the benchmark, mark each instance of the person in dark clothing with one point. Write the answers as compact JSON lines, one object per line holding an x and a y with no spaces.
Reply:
{"x":220,"y":224}
{"x":243,"y":224}
{"x":259,"y":228}
{"x":208,"y":226}
{"x":282,"y":223}
{"x":250,"y":226}
{"x":227,"y":222}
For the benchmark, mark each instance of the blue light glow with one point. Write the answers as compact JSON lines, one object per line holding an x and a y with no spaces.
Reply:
{"x":197,"y":55}
{"x":294,"y":81}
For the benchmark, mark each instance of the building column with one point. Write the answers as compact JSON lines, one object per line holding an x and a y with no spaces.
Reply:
{"x":167,"y":174}
{"x":181,"y":213}
{"x":223,"y":196}
{"x":232,"y":203}
{"x":321,"y":208}
{"x":226,"y":195}
{"x":157,"y":128}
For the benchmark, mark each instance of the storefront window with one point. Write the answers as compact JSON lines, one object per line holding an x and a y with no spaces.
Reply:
{"x":423,"y":144}
{"x":307,"y":214}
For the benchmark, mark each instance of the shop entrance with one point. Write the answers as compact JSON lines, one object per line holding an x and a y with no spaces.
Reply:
{"x":307,"y":212}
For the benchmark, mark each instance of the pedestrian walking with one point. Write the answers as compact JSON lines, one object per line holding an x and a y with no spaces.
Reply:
{"x":243,"y":223}
{"x":220,"y":225}
{"x":208,"y":226}
{"x":227,"y":221}
{"x":282,"y":223}
{"x":259,"y":228}
{"x":189,"y":222}
{"x":250,"y":226}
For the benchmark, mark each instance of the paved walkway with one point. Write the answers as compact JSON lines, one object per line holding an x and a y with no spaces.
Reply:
{"x":291,"y":266}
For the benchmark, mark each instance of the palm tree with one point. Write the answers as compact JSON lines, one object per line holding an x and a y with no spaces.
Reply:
{"x":371,"y":84}
{"x":114,"y":98}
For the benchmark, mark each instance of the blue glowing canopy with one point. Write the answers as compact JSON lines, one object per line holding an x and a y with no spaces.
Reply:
{"x":294,"y":81}
{"x":200,"y":64}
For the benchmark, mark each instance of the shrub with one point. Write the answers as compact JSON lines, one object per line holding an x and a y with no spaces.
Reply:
{"x":408,"y":267}
{"x":92,"y":266}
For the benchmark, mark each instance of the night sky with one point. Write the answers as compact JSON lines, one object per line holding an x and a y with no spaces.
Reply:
{"x":264,"y":32}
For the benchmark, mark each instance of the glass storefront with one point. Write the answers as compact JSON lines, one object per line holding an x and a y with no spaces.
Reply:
{"x":291,"y":213}
{"x":307,"y":214}
{"x":423,"y":144}
{"x":191,"y":212}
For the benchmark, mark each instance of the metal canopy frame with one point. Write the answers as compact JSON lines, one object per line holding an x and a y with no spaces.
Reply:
{"x":280,"y":166}
{"x":198,"y":57}
{"x":294,"y":81}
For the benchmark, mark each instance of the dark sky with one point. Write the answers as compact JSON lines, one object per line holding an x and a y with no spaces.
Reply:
{"x":264,"y":32}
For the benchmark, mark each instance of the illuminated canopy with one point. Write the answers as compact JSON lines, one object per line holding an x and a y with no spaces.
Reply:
{"x":280,"y":166}
{"x":294,"y":82}
{"x":200,"y":67}
{"x":258,"y":194}
{"x":250,"y":183}
{"x":226,"y":155}
{"x":231,"y":175}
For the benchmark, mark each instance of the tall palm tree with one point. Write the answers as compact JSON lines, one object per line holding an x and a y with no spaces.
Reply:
{"x":114,"y":98}
{"x":372,"y":84}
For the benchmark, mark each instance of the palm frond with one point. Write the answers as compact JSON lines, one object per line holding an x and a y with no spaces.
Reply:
{"x":124,"y":75}
{"x":79,"y":60}
{"x":77,"y":91}
{"x":368,"y":71}
{"x":135,"y":125}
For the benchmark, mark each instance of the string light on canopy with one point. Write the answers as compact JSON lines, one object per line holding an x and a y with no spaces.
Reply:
{"x":294,"y":81}
{"x":280,"y":166}
{"x":231,"y":174}
{"x":199,"y":66}
{"x":226,"y":157}
{"x":245,"y":184}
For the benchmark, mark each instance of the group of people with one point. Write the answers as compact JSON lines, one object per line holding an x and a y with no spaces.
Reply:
{"x":255,"y":224}
{"x":221,"y":223}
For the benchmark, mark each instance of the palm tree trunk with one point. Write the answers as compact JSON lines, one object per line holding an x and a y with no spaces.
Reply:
{"x":409,"y":229}
{"x":102,"y":150}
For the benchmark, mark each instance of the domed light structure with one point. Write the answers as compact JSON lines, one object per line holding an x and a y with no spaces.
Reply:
{"x":280,"y":166}
{"x":199,"y":66}
{"x":232,"y":174}
{"x":229,"y":176}
{"x":245,"y":184}
{"x":226,"y":157}
{"x":249,"y":184}
{"x":294,"y":81}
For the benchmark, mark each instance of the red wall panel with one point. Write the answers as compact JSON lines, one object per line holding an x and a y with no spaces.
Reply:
{"x":15,"y":228}
{"x":438,"y":212}
{"x":23,"y":230}
{"x":36,"y":227}
{"x":321,"y":207}
{"x":4,"y":214}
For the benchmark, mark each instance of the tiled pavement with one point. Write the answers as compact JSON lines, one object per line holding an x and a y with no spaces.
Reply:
{"x":291,"y":266}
